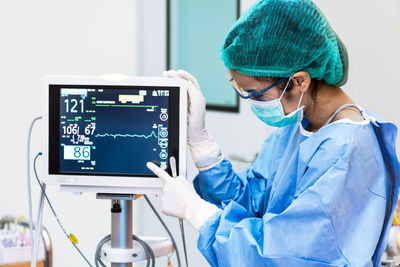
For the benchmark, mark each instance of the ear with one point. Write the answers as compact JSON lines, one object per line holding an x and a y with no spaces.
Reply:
{"x":301,"y":80}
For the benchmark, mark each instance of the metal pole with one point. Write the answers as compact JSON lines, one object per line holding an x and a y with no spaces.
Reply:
{"x":121,"y":227}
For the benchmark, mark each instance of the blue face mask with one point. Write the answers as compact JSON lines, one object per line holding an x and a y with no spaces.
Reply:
{"x":272,"y":114}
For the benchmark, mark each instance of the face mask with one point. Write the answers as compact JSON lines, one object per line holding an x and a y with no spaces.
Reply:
{"x":272,"y":114}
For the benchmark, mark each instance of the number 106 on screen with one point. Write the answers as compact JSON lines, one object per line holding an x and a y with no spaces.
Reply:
{"x":77,"y":152}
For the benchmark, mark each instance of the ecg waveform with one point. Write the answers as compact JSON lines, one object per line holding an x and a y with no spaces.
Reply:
{"x":153,"y":134}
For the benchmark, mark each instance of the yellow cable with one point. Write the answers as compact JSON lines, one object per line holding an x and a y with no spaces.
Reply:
{"x":73,"y":239}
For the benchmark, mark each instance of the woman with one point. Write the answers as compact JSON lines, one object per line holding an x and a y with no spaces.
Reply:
{"x":324,"y":186}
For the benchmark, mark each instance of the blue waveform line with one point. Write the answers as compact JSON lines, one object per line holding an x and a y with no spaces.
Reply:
{"x":127,"y":135}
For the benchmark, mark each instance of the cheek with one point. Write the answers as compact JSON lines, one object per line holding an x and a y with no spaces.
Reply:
{"x":265,"y":98}
{"x":271,"y":95}
{"x":287,"y":106}
{"x":289,"y":103}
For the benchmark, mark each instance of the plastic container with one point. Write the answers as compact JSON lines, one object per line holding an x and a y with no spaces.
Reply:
{"x":18,"y":254}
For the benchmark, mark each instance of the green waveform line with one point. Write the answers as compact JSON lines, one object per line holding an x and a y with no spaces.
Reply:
{"x":127,"y":135}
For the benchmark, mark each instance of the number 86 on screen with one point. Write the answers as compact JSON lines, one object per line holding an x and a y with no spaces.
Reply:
{"x":77,"y":152}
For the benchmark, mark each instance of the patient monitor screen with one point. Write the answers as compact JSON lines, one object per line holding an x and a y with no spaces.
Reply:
{"x":111,"y":130}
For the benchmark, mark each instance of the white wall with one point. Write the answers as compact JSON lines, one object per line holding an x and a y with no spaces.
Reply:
{"x":99,"y":36}
{"x":56,"y":37}
{"x":371,"y":32}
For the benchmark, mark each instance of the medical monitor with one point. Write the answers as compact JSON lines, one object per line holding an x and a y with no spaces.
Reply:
{"x":101,"y":131}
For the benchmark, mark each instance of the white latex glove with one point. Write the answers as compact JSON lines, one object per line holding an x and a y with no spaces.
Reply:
{"x":180,"y":200}
{"x":205,"y":151}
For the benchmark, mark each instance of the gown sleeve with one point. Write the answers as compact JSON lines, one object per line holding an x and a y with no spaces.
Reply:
{"x":335,"y":218}
{"x":249,"y":188}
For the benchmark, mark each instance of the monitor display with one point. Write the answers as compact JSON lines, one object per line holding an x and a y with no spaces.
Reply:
{"x":111,"y":130}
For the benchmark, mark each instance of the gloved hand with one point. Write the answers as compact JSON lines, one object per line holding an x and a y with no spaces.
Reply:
{"x":180,"y":200}
{"x":205,"y":151}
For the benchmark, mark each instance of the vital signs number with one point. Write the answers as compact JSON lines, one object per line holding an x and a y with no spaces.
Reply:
{"x":73,"y":103}
{"x":77,"y":152}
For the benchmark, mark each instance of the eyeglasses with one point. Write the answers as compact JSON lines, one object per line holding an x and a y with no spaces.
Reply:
{"x":246,"y":94}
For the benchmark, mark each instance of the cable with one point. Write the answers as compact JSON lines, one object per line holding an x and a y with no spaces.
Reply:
{"x":38,"y":229}
{"x":42,"y":186}
{"x":48,"y":201}
{"x":147,"y":249}
{"x":28,"y":176}
{"x":166,"y":228}
{"x":97,"y":257}
{"x":150,"y":250}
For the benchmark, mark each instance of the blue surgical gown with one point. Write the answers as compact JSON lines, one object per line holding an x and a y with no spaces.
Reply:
{"x":323,"y":200}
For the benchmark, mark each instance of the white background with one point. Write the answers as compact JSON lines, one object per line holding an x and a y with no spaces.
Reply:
{"x":102,"y":36}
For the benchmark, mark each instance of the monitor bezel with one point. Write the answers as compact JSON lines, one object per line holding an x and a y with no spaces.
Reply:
{"x":100,"y":183}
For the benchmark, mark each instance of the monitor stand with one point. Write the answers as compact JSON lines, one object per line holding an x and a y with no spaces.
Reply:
{"x":122,"y":250}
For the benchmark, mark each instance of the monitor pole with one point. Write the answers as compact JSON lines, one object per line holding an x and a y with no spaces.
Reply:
{"x":121,"y":227}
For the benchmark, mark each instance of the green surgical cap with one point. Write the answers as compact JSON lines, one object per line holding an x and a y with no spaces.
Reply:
{"x":277,"y":38}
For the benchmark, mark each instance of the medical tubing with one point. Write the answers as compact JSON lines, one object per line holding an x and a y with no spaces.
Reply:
{"x":147,"y":249}
{"x":80,"y":252}
{"x":42,"y":186}
{"x":149,"y":255}
{"x":97,"y":258}
{"x":38,"y":229}
{"x":45,"y":195}
{"x":183,"y":241}
{"x":28,"y":176}
{"x":166,"y":228}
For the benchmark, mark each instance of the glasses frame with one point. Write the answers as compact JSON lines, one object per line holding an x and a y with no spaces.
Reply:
{"x":239,"y":90}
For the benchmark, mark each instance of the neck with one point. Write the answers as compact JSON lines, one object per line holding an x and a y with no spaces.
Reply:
{"x":328,"y":100}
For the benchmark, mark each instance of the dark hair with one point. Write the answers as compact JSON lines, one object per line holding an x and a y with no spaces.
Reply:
{"x":313,"y":88}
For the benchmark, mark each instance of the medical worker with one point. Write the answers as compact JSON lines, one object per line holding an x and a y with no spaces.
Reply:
{"x":324,"y":186}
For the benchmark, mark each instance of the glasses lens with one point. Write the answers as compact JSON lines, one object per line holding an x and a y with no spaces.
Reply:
{"x":238,"y":89}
